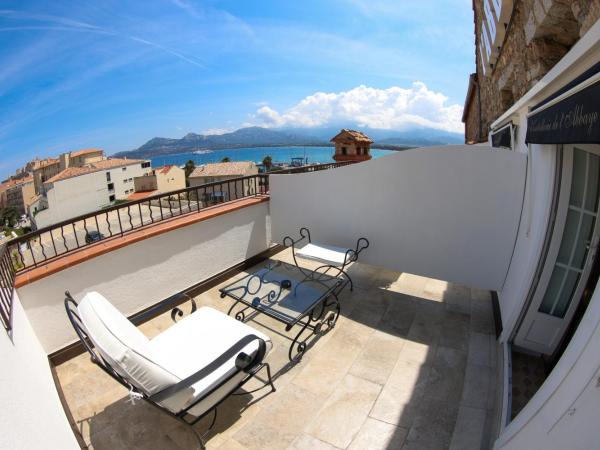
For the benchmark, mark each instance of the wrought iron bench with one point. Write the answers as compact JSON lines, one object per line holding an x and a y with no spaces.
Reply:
{"x":336,"y":258}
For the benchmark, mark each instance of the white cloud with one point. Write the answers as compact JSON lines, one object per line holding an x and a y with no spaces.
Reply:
{"x":393,"y":108}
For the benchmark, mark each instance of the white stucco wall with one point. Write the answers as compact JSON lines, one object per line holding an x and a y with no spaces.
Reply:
{"x":73,"y":197}
{"x":450,"y":212}
{"x":139,"y":275}
{"x":31,"y":415}
{"x":120,"y":178}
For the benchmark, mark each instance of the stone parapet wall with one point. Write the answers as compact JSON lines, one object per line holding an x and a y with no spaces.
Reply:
{"x":539,"y":34}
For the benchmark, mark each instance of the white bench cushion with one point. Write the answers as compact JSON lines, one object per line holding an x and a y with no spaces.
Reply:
{"x":178,"y":352}
{"x":326,"y":253}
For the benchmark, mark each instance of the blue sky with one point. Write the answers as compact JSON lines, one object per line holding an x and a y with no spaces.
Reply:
{"x":112,"y":74}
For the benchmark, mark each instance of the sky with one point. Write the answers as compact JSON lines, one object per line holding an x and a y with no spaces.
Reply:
{"x":113,"y":74}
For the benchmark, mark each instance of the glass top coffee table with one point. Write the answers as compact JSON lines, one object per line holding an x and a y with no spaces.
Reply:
{"x":292,"y":295}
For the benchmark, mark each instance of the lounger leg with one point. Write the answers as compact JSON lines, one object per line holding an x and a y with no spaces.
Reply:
{"x":268,"y":367}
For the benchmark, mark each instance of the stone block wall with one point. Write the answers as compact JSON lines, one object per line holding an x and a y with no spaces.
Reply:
{"x":539,"y":34}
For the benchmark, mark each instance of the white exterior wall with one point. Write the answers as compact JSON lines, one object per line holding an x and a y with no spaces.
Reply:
{"x":31,"y":416}
{"x":141,"y":274}
{"x":450,"y":212}
{"x":120,"y":178}
{"x":73,"y":197}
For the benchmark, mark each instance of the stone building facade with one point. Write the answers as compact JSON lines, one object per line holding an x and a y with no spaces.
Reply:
{"x":537,"y":34}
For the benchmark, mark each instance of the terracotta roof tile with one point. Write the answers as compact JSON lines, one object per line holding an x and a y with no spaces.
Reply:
{"x":115,"y":162}
{"x":140,"y":195}
{"x":353,"y":135}
{"x":71,"y":172}
{"x":223,"y":169}
{"x":164,"y":169}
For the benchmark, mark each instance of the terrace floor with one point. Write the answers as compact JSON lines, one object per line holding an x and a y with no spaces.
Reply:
{"x":411,"y":363}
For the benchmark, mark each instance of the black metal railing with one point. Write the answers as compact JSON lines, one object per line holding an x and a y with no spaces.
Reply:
{"x":7,"y":286}
{"x":313,"y":168}
{"x":46,"y":244}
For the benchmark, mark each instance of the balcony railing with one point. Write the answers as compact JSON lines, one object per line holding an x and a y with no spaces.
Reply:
{"x":7,"y":284}
{"x":46,"y":244}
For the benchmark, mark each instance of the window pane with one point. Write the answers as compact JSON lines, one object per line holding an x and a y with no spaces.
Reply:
{"x":569,"y":235}
{"x":552,"y":291}
{"x":564,"y":300}
{"x":591,"y":196}
{"x":585,"y":236}
{"x":578,"y":181}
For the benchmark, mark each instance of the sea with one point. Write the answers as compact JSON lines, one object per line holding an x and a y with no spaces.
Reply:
{"x":283,"y":155}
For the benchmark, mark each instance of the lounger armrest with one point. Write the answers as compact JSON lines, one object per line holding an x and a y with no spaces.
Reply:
{"x":352,"y":253}
{"x":236,"y":348}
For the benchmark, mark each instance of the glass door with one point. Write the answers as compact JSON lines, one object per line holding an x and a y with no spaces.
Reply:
{"x":570,"y":255}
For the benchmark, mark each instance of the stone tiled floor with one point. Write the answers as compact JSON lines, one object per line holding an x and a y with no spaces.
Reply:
{"x":410,"y":364}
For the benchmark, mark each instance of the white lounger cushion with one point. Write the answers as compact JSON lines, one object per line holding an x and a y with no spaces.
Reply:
{"x":326,"y":253}
{"x":178,"y":352}
{"x":122,"y":345}
{"x":196,"y":341}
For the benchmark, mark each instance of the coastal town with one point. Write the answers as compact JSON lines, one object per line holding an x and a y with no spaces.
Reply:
{"x":48,"y":191}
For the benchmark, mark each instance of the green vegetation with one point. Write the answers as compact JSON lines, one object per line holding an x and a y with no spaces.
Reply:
{"x":226,"y":159}
{"x":189,"y":168}
{"x":18,"y":231}
{"x":16,"y":260}
{"x":9,"y":216}
{"x":267,"y":162}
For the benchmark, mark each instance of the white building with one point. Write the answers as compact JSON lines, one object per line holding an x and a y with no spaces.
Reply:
{"x":80,"y":190}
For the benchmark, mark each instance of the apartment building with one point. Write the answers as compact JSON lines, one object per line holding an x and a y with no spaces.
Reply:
{"x":47,"y":168}
{"x":80,"y":190}
{"x":161,"y":179}
{"x":17,"y":193}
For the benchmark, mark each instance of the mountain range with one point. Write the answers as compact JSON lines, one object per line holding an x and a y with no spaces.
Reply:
{"x":267,"y":137}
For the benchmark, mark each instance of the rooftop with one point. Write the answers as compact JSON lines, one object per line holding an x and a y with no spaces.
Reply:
{"x":410,"y":363}
{"x":224,"y":168}
{"x":11,"y":183}
{"x":165,"y":169}
{"x":352,"y":135}
{"x":71,"y":172}
{"x":96,"y":166}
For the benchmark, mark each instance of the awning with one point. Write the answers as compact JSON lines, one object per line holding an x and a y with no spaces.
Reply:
{"x":571,"y":115}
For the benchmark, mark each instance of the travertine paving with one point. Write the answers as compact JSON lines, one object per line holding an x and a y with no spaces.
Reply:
{"x":409,"y":365}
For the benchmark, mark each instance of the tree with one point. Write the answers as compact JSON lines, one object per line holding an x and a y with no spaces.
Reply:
{"x":267,"y":162}
{"x":226,"y":159}
{"x":189,"y":168}
{"x":9,"y":216}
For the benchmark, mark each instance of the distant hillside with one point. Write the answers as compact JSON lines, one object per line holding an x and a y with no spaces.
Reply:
{"x":259,"y":137}
{"x":244,"y":137}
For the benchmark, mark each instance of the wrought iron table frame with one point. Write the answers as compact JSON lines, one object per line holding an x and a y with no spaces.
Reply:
{"x":318,"y":318}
